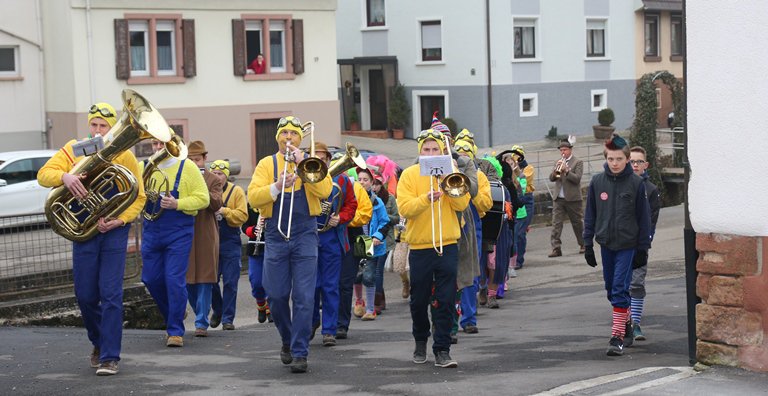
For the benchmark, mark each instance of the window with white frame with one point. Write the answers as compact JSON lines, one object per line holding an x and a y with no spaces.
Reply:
{"x":375,"y":12}
{"x":529,"y":104}
{"x":676,"y":35}
{"x":277,"y":47}
{"x":254,"y":37}
{"x":599,"y":99}
{"x":143,"y":35}
{"x":139,"y":36}
{"x":166,"y":48}
{"x":431,"y":41}
{"x":658,"y":98}
{"x":651,"y":35}
{"x":9,"y":61}
{"x":595,"y":37}
{"x":525,"y":38}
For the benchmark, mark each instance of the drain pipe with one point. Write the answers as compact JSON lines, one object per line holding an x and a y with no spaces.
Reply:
{"x":45,"y":139}
{"x":488,"y":70}
{"x":89,"y":39}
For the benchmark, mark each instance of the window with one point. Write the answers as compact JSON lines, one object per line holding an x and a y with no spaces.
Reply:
{"x":154,"y":48}
{"x":599,"y":99}
{"x":676,"y":35}
{"x":529,"y":104}
{"x":9,"y":62}
{"x":525,"y":38}
{"x":277,"y":38}
{"x":431,"y":41}
{"x":22,"y":170}
{"x":595,"y":38}
{"x":658,"y":98}
{"x":375,"y":12}
{"x":651,"y":36}
{"x":429,"y":104}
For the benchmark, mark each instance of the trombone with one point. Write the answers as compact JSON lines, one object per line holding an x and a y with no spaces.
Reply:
{"x":310,"y":170}
{"x":454,"y":185}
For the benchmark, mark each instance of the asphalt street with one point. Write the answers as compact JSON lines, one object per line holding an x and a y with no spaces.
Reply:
{"x":548,"y":337}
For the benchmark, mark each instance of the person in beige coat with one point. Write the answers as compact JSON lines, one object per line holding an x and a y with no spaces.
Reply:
{"x":567,"y":199}
{"x":204,"y":257}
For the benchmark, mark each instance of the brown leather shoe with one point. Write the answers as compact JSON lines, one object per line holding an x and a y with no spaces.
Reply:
{"x":555,"y":253}
{"x":201,"y":332}
{"x":174,"y":341}
{"x":582,"y":249}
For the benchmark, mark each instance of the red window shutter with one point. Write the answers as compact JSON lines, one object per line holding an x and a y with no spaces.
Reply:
{"x":238,"y":46}
{"x":188,"y":40}
{"x":122,"y":50}
{"x":298,"y":46}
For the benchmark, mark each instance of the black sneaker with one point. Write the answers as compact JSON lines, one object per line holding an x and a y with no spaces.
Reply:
{"x":285,"y":354}
{"x":420,"y":353}
{"x":329,"y":340}
{"x":299,"y":365}
{"x":454,"y":338}
{"x":341,"y":333}
{"x":615,"y":347}
{"x":443,"y":359}
{"x":262,"y":316}
{"x":629,"y":334}
{"x":471,"y":329}
{"x":215,"y":321}
{"x":107,"y":368}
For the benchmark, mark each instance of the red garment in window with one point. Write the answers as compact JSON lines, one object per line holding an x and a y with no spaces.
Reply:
{"x":258,"y":68}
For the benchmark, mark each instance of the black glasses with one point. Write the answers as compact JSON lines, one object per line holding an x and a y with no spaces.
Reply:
{"x":219,"y":166}
{"x":636,"y":162}
{"x":289,"y":120}
{"x":103,"y":111}
{"x":430,"y":134}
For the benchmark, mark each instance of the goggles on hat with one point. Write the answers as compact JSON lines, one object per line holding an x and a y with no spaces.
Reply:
{"x":465,"y":135}
{"x":219,"y":166}
{"x":289,"y":120}
{"x":429,"y":134}
{"x":103,"y":111}
{"x":462,"y":148}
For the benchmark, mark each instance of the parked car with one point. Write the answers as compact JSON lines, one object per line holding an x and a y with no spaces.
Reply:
{"x":19,"y":192}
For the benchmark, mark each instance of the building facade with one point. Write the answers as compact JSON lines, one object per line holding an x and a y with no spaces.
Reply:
{"x":508,"y":71}
{"x":191,"y":60}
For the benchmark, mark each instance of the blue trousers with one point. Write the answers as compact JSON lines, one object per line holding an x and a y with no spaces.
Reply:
{"x":290,"y":271}
{"x":381,"y":261}
{"x":617,"y":274}
{"x":329,"y":256}
{"x":255,"y":275}
{"x":521,"y":225}
{"x":427,"y":268}
{"x":224,"y":303}
{"x":349,"y":267}
{"x":200,"y":301}
{"x":98,"y":266}
{"x":469,"y":304}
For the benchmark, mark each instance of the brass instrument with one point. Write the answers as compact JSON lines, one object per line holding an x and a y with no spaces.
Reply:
{"x":111,"y":188}
{"x":350,"y":159}
{"x":559,"y":168}
{"x":155,"y":190}
{"x":310,"y":170}
{"x":454,"y":185}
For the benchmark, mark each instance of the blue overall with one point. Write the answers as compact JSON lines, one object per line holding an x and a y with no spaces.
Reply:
{"x":349,"y":268}
{"x":166,"y":244}
{"x":469,"y":293}
{"x":290,"y":270}
{"x":255,"y":274}
{"x":230,"y":250}
{"x":98,"y":266}
{"x":329,"y":255}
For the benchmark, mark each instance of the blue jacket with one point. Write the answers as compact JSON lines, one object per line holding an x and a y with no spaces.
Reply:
{"x":379,"y":219}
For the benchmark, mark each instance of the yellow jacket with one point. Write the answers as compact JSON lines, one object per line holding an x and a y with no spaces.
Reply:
{"x":364,"y":210}
{"x":236,"y":211}
{"x":483,"y":200}
{"x":528,"y":172}
{"x":64,"y":160}
{"x":414,"y":205}
{"x":260,"y":197}
{"x":193,"y":192}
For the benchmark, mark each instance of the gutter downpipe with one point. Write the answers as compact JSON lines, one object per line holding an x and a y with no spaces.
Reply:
{"x":89,"y":38}
{"x":45,"y":139}
{"x":488,"y":70}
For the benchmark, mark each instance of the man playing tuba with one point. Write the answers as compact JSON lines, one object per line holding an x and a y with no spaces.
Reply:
{"x":98,"y":264}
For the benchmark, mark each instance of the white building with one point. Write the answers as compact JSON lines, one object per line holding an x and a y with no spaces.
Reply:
{"x":507,"y":71}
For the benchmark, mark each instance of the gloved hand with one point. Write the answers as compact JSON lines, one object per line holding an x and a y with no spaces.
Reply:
{"x":640,"y":259}
{"x":589,"y":255}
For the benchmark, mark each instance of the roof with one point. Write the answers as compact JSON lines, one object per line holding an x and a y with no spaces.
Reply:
{"x":663,"y":5}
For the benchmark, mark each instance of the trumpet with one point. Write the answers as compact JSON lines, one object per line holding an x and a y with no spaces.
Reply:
{"x":310,"y":170}
{"x":559,"y":168}
{"x":454,"y":185}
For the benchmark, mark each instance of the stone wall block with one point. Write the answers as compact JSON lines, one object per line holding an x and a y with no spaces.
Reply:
{"x":754,"y":357}
{"x":711,"y":353}
{"x":726,"y":290}
{"x":726,"y":254}
{"x":702,"y":286}
{"x":727,"y":325}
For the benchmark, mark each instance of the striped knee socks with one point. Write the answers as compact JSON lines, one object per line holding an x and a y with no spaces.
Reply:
{"x":637,"y":309}
{"x":620,"y":316}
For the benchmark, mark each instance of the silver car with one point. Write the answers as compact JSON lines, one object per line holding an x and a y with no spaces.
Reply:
{"x":19,"y":192}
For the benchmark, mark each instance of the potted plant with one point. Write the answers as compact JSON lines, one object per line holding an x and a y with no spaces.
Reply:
{"x":354,"y":120}
{"x":399,"y":111}
{"x":604,"y":118}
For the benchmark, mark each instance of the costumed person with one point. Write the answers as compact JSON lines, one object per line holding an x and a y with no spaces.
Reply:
{"x":418,"y":198}
{"x":637,"y":158}
{"x":376,"y":230}
{"x":290,"y":252}
{"x":523,"y":224}
{"x":387,"y":169}
{"x":567,"y":177}
{"x":254,"y":229}
{"x":618,"y":217}
{"x":98,"y":264}
{"x":231,"y":216}
{"x":390,"y":202}
{"x":338,"y":210}
{"x":167,"y":234}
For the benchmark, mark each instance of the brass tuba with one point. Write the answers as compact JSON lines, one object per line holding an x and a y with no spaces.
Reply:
{"x":156,"y":189}
{"x":111,"y":188}
{"x":349,"y":160}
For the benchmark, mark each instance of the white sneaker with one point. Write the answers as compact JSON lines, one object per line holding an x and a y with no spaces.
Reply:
{"x":512,"y":273}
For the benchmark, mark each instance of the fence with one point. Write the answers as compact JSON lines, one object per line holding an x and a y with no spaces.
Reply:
{"x":34,"y":260}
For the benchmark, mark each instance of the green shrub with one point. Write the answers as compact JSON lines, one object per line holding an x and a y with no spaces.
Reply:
{"x":606,"y":117}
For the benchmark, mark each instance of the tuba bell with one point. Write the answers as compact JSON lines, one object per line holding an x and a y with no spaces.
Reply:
{"x":155,"y":188}
{"x":111,"y":187}
{"x":350,"y":159}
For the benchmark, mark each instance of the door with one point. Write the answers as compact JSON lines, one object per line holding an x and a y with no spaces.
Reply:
{"x":378,"y":100}
{"x":265,"y":138}
{"x":429,"y":105}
